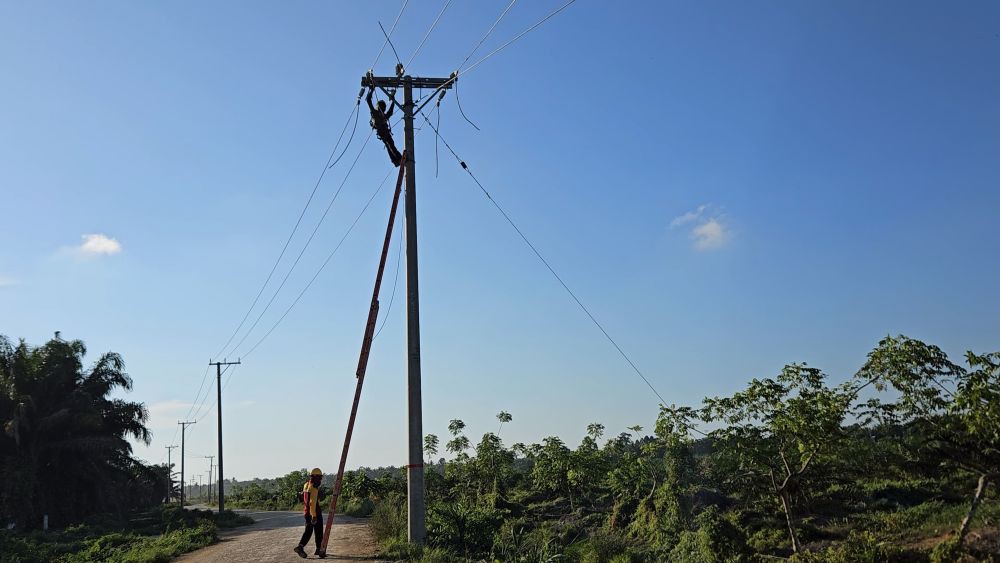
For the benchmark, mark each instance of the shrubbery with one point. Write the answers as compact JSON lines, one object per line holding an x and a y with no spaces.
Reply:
{"x":155,"y":536}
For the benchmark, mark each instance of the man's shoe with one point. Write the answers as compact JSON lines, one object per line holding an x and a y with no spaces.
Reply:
{"x":321,"y":554}
{"x":300,"y":552}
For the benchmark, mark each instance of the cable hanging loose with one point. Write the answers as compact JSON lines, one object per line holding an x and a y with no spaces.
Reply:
{"x":387,"y":35}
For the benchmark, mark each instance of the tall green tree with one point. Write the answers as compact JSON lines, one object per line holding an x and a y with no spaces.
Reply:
{"x":64,"y":448}
{"x":955,"y":411}
{"x":774,"y":435}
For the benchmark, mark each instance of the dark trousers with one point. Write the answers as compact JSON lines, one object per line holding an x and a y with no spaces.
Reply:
{"x":310,"y":528}
{"x":390,"y":147}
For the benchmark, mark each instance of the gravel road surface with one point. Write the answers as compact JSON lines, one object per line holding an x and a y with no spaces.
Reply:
{"x":271,"y":539}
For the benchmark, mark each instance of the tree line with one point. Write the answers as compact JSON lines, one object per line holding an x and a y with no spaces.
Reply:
{"x":894,"y":464}
{"x":64,"y":440}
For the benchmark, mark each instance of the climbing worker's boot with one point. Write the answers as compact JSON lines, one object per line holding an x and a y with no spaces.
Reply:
{"x":300,"y":552}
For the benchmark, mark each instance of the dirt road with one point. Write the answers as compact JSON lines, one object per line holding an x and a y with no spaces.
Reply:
{"x":271,"y":539}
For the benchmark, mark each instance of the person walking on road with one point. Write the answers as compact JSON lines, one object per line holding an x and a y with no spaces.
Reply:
{"x":313,"y":514}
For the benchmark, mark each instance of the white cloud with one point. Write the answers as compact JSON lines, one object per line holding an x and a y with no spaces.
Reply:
{"x":688,"y":217}
{"x":709,"y":232}
{"x":7,"y":281}
{"x":99,"y":245}
{"x":710,"y":235}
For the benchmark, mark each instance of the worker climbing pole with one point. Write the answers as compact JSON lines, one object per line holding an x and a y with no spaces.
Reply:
{"x":366,"y":346}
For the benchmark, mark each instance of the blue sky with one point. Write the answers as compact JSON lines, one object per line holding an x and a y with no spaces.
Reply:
{"x":728,"y":186}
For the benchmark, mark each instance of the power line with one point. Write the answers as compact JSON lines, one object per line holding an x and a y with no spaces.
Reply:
{"x":295,"y":228}
{"x":387,"y":35}
{"x":398,"y":62}
{"x":197,"y":395}
{"x":357,"y":114}
{"x":395,"y":281}
{"x":519,"y":35}
{"x":454,"y":76}
{"x":546,"y":263}
{"x":428,"y":34}
{"x":215,"y":402}
{"x":304,"y":248}
{"x":488,"y":32}
{"x":322,"y":266}
{"x":199,"y":415}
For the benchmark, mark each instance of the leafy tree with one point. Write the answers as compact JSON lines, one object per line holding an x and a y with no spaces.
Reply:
{"x":776,"y":433}
{"x":459,"y":442}
{"x":64,"y":448}
{"x":431,"y":445}
{"x":504,"y":417}
{"x":665,"y":513}
{"x":492,"y":468}
{"x":551,"y":469}
{"x":956,"y":411}
{"x":595,"y":430}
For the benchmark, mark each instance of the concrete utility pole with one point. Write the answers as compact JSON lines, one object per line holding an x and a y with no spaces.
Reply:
{"x":218,"y":410}
{"x":170,"y":473}
{"x":210,"y":466}
{"x":415,"y":468}
{"x":184,"y":426}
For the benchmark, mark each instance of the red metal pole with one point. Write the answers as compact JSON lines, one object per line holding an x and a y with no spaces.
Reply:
{"x":366,"y":346}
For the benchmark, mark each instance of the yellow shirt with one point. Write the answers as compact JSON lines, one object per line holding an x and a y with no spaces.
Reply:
{"x":310,"y":498}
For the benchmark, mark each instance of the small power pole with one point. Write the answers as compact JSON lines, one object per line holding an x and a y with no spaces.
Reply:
{"x":210,"y":466}
{"x":218,"y":410}
{"x":184,"y":426}
{"x":416,"y":526}
{"x":170,"y":473}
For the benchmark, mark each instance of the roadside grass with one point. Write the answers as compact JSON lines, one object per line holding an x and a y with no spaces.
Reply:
{"x":155,"y":536}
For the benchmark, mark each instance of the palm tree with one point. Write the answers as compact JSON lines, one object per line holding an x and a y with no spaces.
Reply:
{"x":64,"y":448}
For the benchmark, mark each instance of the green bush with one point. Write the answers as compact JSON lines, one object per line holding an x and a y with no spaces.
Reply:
{"x":470,"y":529}
{"x":357,"y":508}
{"x":155,"y":536}
{"x":768,"y":540}
{"x":715,"y":540}
{"x":388,"y":520}
{"x":605,"y":546}
{"x":947,"y":551}
{"x":859,"y":547}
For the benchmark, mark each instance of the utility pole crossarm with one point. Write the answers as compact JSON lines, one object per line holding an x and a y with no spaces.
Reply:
{"x":415,"y":505}
{"x":399,"y":81}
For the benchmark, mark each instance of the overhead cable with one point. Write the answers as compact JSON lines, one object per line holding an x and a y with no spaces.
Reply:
{"x":320,"y":270}
{"x":546,"y":263}
{"x":428,"y":34}
{"x":387,"y":35}
{"x":518,"y":36}
{"x":295,"y":229}
{"x":488,"y":32}
{"x":304,"y":247}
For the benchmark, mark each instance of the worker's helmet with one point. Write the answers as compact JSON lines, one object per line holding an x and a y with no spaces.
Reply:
{"x":316,"y":471}
{"x":381,"y":105}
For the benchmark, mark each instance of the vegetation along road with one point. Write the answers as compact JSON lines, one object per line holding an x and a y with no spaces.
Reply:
{"x":271,"y":539}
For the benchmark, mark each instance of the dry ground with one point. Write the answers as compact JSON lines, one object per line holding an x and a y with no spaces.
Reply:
{"x":271,"y":539}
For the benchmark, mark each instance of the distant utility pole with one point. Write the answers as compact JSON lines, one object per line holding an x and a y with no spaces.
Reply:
{"x":415,"y":468}
{"x":210,"y":466}
{"x":218,"y":411}
{"x":170,"y":473}
{"x":184,"y":426}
